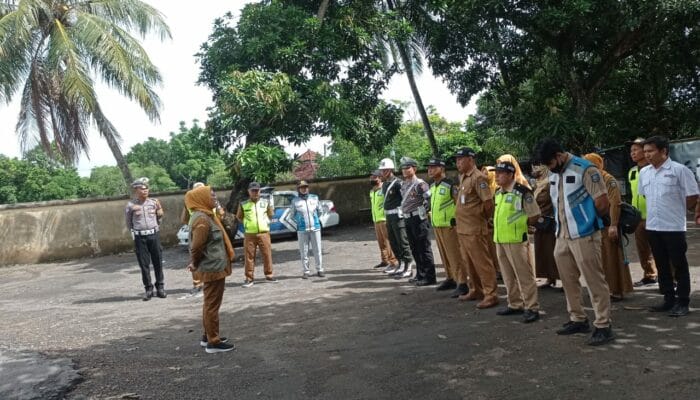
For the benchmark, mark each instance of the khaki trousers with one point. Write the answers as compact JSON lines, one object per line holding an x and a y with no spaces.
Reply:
{"x":641,"y":240}
{"x":213,"y":294}
{"x":480,"y":268}
{"x":196,"y":282}
{"x":251,"y":242}
{"x":582,"y":256}
{"x":518,"y":275}
{"x":384,"y":245}
{"x":448,"y":246}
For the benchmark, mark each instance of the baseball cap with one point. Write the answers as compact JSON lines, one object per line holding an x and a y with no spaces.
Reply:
{"x":303,"y":183}
{"x":465,"y":152}
{"x":253,"y":186}
{"x":408,"y":162}
{"x":376,"y":172}
{"x":506,"y":166}
{"x":638,"y":141}
{"x":435,"y":162}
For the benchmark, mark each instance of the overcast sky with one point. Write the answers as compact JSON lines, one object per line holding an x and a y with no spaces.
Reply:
{"x":183,"y":100}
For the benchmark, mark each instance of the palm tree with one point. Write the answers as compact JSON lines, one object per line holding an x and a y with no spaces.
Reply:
{"x":411,"y":60}
{"x":52,"y":49}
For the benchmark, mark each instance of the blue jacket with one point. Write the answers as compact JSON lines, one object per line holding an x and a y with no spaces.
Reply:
{"x":306,"y":211}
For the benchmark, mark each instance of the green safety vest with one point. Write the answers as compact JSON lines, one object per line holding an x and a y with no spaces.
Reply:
{"x":255,"y":219}
{"x":376,"y":201}
{"x":442,"y":205}
{"x":638,"y":201}
{"x":510,"y":219}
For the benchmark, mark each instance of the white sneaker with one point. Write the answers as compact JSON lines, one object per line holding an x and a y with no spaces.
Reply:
{"x":408,"y":273}
{"x":392,"y":268}
{"x":248,"y":283}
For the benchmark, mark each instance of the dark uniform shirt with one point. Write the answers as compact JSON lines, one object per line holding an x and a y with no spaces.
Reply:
{"x":392,"y":193}
{"x":415,"y":193}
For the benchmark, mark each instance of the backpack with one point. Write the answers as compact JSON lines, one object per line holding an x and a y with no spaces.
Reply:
{"x":630,"y":218}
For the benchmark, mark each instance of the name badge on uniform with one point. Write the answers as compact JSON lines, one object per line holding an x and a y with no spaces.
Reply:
{"x":442,"y":191}
{"x":509,"y":198}
{"x":463,"y":199}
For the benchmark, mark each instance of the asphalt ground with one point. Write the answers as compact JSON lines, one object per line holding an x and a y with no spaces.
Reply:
{"x":79,"y":330}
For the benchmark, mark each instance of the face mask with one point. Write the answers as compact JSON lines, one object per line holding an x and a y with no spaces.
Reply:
{"x":373,"y":182}
{"x":559,"y":168}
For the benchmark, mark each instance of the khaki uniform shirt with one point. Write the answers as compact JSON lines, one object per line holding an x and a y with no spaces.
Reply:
{"x":473,"y":191}
{"x":595,"y":186}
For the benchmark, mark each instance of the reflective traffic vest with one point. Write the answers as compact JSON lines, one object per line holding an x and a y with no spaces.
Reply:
{"x":376,"y":200}
{"x":442,"y":205}
{"x":638,"y":201}
{"x":510,"y":219}
{"x":255,"y":219}
{"x":581,"y":216}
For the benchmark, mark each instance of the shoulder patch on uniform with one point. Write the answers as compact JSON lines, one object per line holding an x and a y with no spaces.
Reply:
{"x":595,"y":177}
{"x":483,"y":185}
{"x":529,"y":198}
{"x":613,"y":183}
{"x":522,"y":188}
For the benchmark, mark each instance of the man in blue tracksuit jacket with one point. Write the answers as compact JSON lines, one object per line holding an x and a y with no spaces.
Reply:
{"x":305,"y":211}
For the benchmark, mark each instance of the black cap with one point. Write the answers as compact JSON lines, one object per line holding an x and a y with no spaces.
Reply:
{"x":303,"y":183}
{"x":376,"y":172}
{"x":465,"y":152}
{"x":408,"y":162}
{"x":140,"y":183}
{"x":506,"y":166}
{"x":253,"y":186}
{"x":435,"y":162}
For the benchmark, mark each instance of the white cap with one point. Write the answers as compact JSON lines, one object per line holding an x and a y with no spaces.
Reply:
{"x":386,"y":163}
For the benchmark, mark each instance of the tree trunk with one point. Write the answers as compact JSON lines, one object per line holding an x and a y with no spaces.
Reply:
{"x":322,"y":10}
{"x":119,"y":157}
{"x":408,"y":69}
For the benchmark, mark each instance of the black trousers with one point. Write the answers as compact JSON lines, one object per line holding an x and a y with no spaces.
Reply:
{"x":147,"y":249}
{"x":396,"y":227}
{"x":669,"y":250}
{"x":418,"y":231}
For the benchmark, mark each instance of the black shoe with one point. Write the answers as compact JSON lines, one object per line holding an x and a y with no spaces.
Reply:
{"x":662,"y":307}
{"x":219,"y":347}
{"x":426,"y":282}
{"x":413,"y":280}
{"x":161,"y":293}
{"x":572,"y":327}
{"x":447,"y":284}
{"x":321,"y":274}
{"x":601,"y":336}
{"x":462,"y":289}
{"x":204,"y":340}
{"x":271,"y":279}
{"x":509,"y":311}
{"x":678,"y":311}
{"x":530,"y":316}
{"x":148,"y":294}
{"x":646,"y":282}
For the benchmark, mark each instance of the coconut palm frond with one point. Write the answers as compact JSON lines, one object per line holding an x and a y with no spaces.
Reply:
{"x":33,"y":115}
{"x":129,"y":14}
{"x":120,"y":61}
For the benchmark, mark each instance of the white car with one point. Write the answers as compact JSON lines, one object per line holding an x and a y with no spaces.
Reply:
{"x":281,"y":200}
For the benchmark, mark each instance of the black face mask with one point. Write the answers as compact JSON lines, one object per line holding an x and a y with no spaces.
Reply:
{"x":374,"y":182}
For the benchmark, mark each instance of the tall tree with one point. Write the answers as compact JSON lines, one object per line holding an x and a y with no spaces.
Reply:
{"x":407,"y":45}
{"x":53,"y":50}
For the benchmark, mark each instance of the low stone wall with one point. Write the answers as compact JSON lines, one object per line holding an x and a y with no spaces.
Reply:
{"x":62,"y":230}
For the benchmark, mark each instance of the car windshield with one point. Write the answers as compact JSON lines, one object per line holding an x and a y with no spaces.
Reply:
{"x":282,"y":200}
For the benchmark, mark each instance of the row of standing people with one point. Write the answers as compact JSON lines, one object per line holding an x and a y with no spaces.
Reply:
{"x":573,"y":213}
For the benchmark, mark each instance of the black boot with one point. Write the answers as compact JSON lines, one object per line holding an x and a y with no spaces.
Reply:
{"x":161,"y":293}
{"x":462,"y":289}
{"x":148,"y":294}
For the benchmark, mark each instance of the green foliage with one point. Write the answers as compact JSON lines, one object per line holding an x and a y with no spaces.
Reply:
{"x":159,"y":180}
{"x":346,"y":159}
{"x":106,"y":181}
{"x":261,"y":163}
{"x":188,"y":157}
{"x":591,"y":72}
{"x":278,"y":73}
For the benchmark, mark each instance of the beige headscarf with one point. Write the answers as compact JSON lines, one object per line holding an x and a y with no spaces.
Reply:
{"x":200,"y":199}
{"x":519,"y":177}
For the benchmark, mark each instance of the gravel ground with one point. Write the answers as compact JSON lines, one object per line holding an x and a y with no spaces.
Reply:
{"x":354,"y":334}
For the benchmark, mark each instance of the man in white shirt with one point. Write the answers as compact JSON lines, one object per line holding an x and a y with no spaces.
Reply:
{"x":670,"y":189}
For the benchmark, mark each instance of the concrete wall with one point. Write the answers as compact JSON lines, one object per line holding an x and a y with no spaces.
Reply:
{"x":63,"y":230}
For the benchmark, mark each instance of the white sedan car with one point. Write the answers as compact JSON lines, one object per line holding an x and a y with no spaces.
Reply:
{"x":281,"y":200}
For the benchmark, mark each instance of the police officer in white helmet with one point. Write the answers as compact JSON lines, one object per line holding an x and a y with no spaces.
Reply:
{"x":396,"y":227}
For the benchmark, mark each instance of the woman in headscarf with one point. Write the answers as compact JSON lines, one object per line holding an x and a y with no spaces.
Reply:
{"x":211,"y":254}
{"x":616,"y":273}
{"x":545,"y":237}
{"x":519,"y":177}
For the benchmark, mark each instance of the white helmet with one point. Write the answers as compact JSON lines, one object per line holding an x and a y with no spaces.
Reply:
{"x":386,"y":163}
